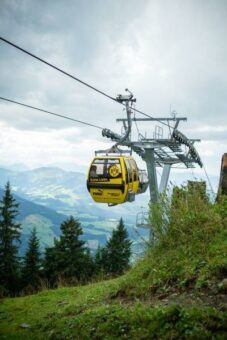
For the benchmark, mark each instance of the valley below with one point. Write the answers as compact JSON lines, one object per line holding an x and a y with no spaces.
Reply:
{"x":49,"y":195}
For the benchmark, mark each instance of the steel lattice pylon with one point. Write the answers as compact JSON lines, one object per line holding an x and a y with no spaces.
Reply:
{"x":177,"y":149}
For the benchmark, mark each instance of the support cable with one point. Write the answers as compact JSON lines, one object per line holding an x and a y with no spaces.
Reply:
{"x":85,"y":84}
{"x":51,"y":113}
{"x":138,"y":132}
{"x":148,"y":116}
{"x":71,"y":76}
{"x":141,"y":237}
{"x":208,"y":179}
{"x":56,"y":68}
{"x":137,"y":128}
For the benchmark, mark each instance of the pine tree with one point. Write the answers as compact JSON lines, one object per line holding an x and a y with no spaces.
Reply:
{"x":50,"y":266}
{"x":89,"y":265}
{"x":98,"y":260}
{"x":101,"y":260}
{"x":118,"y":250}
{"x":71,"y":249}
{"x":31,"y":268}
{"x":9,"y":242}
{"x":69,"y":258}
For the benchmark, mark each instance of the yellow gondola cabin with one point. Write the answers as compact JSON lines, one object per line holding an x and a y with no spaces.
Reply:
{"x":115,"y":179}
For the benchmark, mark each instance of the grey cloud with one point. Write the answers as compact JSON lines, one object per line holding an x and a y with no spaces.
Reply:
{"x":166,"y":52}
{"x":214,"y":136}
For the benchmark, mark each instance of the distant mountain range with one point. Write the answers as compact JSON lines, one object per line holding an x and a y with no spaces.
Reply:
{"x":65,"y":192}
{"x":46,"y":221}
{"x":47,"y":196}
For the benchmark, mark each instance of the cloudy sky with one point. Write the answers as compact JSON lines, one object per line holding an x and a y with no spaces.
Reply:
{"x":171,"y":54}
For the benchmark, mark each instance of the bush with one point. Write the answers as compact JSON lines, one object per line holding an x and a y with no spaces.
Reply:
{"x":185,"y":218}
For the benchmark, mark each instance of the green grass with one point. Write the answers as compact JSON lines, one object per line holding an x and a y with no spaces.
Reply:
{"x":174,"y":292}
{"x":49,"y":306}
{"x":90,"y":313}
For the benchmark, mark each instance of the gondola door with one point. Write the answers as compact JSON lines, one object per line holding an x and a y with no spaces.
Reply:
{"x":129,"y":175}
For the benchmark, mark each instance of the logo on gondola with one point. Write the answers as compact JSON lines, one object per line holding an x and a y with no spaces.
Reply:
{"x":103,"y":179}
{"x":99,"y":192}
{"x":113,"y":194}
{"x":114,"y":171}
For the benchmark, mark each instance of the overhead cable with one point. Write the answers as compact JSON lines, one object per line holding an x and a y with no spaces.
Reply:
{"x":80,"y":81}
{"x":148,"y":116}
{"x":57,"y":68}
{"x":71,"y":76}
{"x":51,"y":113}
{"x":209,"y":181}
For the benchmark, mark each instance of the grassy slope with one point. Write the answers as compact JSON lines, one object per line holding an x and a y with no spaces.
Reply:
{"x":176,"y":291}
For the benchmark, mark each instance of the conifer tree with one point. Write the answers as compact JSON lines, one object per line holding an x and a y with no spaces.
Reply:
{"x":98,"y":260}
{"x":71,"y":249}
{"x":69,"y":258}
{"x":31,"y":268}
{"x":101,"y":260}
{"x":118,"y":250}
{"x":50,"y":265}
{"x":89,"y":265}
{"x":9,"y":242}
